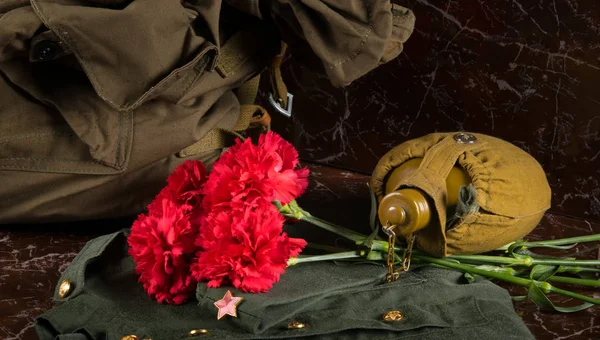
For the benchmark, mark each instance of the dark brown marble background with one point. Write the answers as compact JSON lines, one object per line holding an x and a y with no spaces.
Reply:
{"x":524,"y":71}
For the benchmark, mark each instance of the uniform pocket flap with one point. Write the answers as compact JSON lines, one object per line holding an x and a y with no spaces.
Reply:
{"x":130,"y":52}
{"x":301,"y":289}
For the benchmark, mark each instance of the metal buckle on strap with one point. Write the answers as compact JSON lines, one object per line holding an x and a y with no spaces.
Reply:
{"x":277,"y":104}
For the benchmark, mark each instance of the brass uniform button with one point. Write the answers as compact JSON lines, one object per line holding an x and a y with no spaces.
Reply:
{"x":392,"y":316}
{"x":465,"y":138}
{"x":133,"y":337}
{"x":196,"y":332}
{"x":296,"y":325}
{"x":130,"y":337}
{"x":64,"y":289}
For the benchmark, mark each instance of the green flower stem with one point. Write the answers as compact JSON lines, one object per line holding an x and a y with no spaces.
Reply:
{"x":581,"y":297}
{"x":567,"y":262}
{"x":293,"y":210}
{"x":544,"y":286}
{"x":336,"y":256}
{"x":493,"y":259}
{"x":474,"y":270}
{"x":563,"y":241}
{"x":330,"y":249}
{"x":525,"y":261}
{"x":577,"y":269}
{"x":378,"y":247}
{"x":347,"y":233}
{"x":574,"y":281}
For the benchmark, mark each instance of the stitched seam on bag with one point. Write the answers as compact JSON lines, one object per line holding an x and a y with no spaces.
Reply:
{"x":67,"y":171}
{"x":82,"y":59}
{"x":117,"y":164}
{"x":170,"y":76}
{"x":35,"y":135}
{"x":48,"y":160}
{"x":119,"y":133}
{"x":359,"y":49}
{"x":199,"y":75}
{"x":95,"y":81}
{"x":89,"y":70}
{"x":127,"y":137}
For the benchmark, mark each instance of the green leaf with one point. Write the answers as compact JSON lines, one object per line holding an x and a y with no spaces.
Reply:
{"x":587,"y":275}
{"x":540,"y":299}
{"x":520,"y":245}
{"x":376,"y":256}
{"x":498,"y":269}
{"x":368,"y":242}
{"x":540,"y":256}
{"x":519,"y":297}
{"x":470,"y":277}
{"x":373,"y":217}
{"x":516,"y":247}
{"x":528,"y":259}
{"x":542,"y":272}
{"x":585,"y":272}
{"x":565,"y":247}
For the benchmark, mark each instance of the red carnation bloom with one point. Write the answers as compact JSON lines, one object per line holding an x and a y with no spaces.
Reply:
{"x":162,"y":246}
{"x":247,"y":172}
{"x":245,"y":247}
{"x":184,"y":186}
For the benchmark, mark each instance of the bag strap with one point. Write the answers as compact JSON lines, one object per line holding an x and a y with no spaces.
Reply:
{"x":280,"y":98}
{"x":430,"y":177}
{"x":253,"y":119}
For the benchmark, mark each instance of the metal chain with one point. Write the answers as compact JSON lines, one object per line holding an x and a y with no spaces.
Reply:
{"x":392,"y":274}
{"x":408,"y":252}
{"x":388,"y":229}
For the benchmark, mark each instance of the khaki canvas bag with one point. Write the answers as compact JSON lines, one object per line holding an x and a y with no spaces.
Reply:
{"x":101,"y":99}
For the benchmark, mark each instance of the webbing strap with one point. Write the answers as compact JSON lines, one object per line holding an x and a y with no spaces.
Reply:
{"x":278,"y":87}
{"x":240,"y":48}
{"x":246,"y":113}
{"x":248,"y":91}
{"x":431,"y":178}
{"x":213,"y":140}
{"x":252,"y":117}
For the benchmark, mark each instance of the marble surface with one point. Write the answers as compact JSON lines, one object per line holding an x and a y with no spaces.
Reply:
{"x":32,"y":257}
{"x":523,"y":71}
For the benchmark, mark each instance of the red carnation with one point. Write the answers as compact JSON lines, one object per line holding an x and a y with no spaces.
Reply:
{"x":162,"y":246}
{"x":184,"y":186}
{"x":245,"y":247}
{"x":247,"y":172}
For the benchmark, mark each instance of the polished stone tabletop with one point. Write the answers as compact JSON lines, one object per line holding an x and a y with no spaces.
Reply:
{"x":32,"y":257}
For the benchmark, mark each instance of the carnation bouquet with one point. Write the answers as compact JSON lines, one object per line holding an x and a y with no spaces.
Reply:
{"x":226,"y":228}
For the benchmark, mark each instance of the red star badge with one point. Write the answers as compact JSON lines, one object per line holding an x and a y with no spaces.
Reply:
{"x":227,"y":305}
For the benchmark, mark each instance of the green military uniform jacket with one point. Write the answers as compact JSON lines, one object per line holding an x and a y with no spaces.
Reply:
{"x":323,"y":300}
{"x":99,"y":97}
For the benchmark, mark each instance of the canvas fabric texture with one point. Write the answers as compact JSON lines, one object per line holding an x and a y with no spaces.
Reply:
{"x":510,"y":187}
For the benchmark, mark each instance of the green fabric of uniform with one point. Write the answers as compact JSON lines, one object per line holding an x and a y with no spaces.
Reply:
{"x":335,"y":301}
